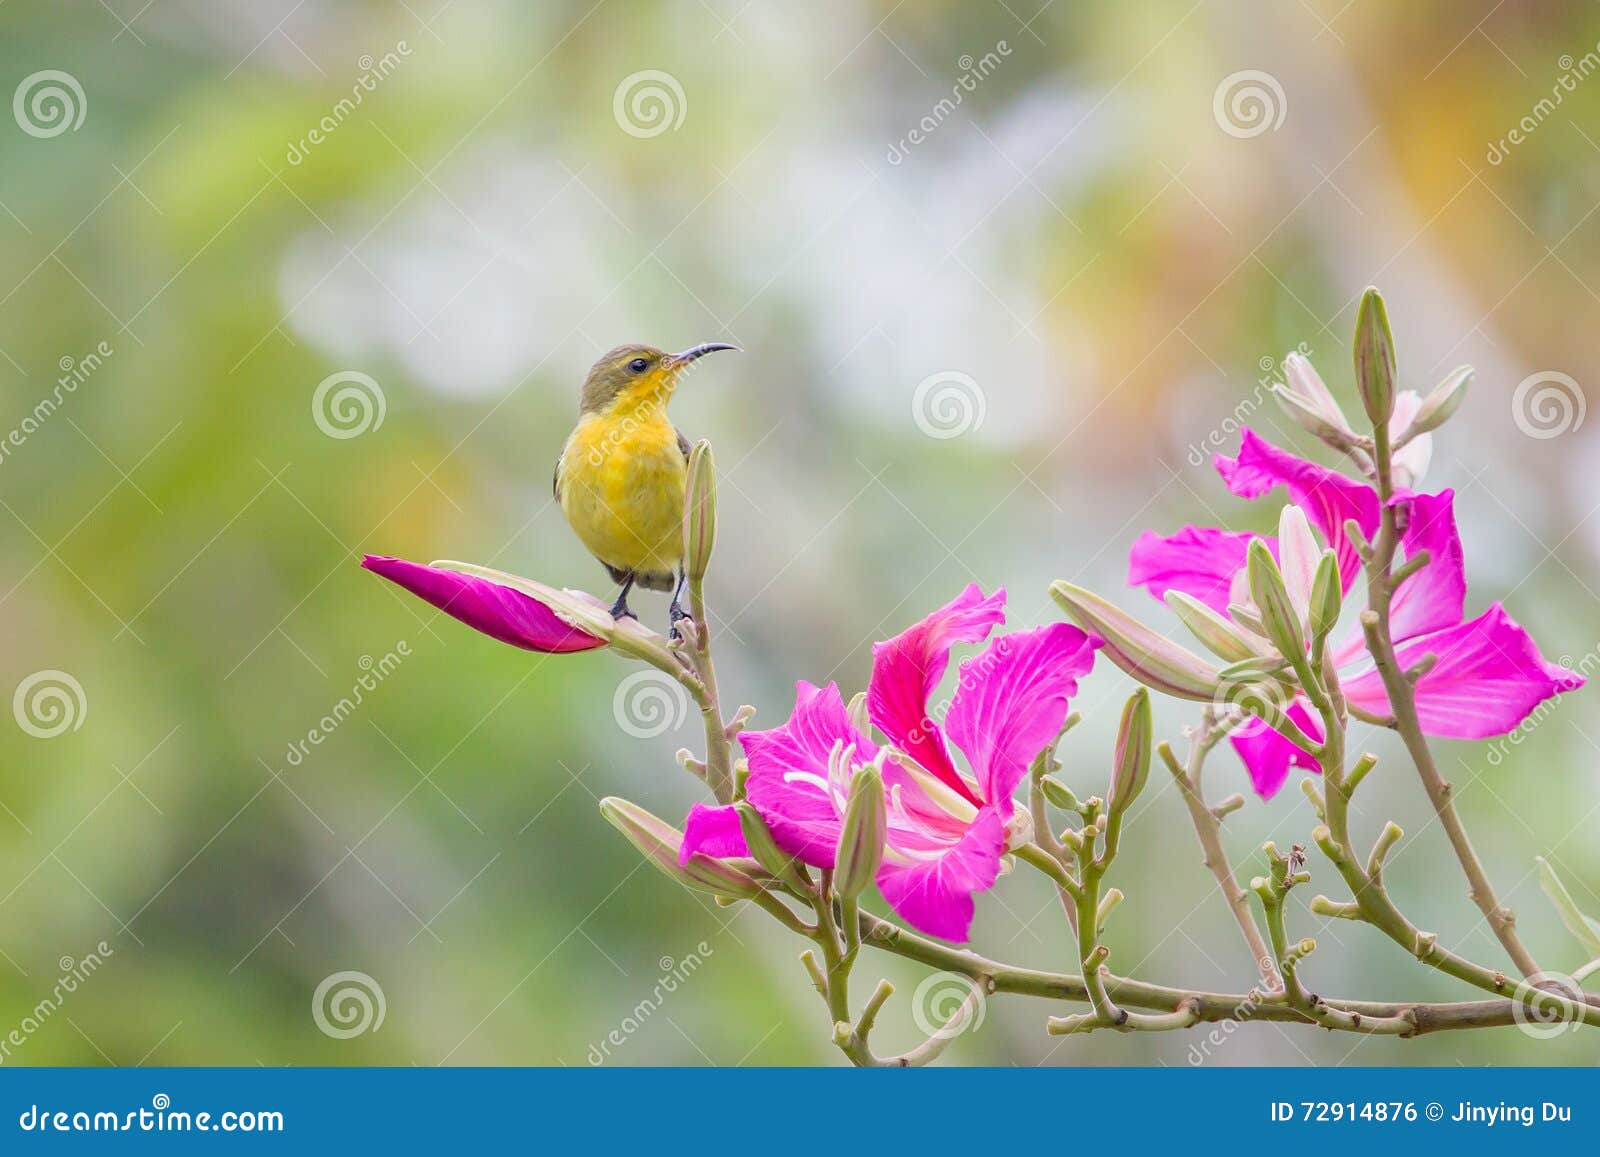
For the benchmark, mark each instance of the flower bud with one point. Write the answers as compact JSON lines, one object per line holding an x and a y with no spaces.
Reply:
{"x":1440,"y":404}
{"x":699,"y":512}
{"x":1132,"y":763}
{"x":1297,"y":558}
{"x":1374,"y":358}
{"x":1059,"y":794}
{"x":1327,"y":600}
{"x":1156,"y":662}
{"x":660,"y":843}
{"x":1219,"y":636}
{"x":1305,"y":398}
{"x":1278,"y":615}
{"x":763,"y":849}
{"x":861,"y":839}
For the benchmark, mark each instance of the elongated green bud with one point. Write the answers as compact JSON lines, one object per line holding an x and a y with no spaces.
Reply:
{"x":1257,"y":670}
{"x":660,"y":843}
{"x":1374,"y":356}
{"x":861,"y":839}
{"x":699,"y":512}
{"x":1134,"y":744}
{"x":1327,"y":600}
{"x":1272,"y":601}
{"x":766,"y":852}
{"x":1441,"y":403}
{"x":1156,"y":662}
{"x":1217,"y":634}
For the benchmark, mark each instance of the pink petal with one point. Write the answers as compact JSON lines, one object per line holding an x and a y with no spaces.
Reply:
{"x":1327,"y":497}
{"x":934,"y":895}
{"x":1432,"y":598}
{"x":712,"y":831}
{"x":497,"y":611}
{"x":906,"y":668}
{"x":1488,"y":678}
{"x":788,"y":781}
{"x":1200,"y":561}
{"x":1011,"y":702}
{"x":1268,"y":756}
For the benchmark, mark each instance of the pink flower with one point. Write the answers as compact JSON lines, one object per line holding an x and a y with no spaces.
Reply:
{"x":1489,"y":674}
{"x":946,"y":829}
{"x":506,"y":610}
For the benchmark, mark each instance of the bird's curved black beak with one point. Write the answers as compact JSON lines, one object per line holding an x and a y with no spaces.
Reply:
{"x":693,"y":353}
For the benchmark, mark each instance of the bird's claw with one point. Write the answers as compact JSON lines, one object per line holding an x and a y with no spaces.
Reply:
{"x":676,"y":615}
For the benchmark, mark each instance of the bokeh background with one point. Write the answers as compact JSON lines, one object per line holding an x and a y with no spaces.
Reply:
{"x":1096,"y":258}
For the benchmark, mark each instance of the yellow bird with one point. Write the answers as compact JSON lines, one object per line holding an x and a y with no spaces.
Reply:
{"x":621,"y":476}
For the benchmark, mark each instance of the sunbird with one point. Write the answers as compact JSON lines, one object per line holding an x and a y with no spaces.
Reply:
{"x":621,"y":476}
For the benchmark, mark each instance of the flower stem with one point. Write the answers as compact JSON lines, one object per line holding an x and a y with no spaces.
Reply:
{"x":1381,"y":585}
{"x":1208,"y":828}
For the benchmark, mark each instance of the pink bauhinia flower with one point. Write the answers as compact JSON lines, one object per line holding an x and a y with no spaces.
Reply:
{"x":946,"y":829}
{"x":1488,"y":674}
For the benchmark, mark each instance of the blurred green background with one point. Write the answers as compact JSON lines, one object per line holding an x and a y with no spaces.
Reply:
{"x":1113,"y":254}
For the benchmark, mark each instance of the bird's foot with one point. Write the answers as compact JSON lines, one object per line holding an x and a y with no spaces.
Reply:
{"x":620,"y":611}
{"x":676,"y":614}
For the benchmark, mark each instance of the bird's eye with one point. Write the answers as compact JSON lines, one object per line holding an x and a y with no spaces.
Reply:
{"x":638,"y":365}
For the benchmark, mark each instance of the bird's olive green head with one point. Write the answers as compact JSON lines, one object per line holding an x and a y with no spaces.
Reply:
{"x":633,"y":374}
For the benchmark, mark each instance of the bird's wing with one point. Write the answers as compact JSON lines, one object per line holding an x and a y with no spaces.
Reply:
{"x":555,"y":479}
{"x":684,"y":445}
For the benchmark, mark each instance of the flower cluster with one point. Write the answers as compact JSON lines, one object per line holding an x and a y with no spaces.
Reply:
{"x":877,"y":791}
